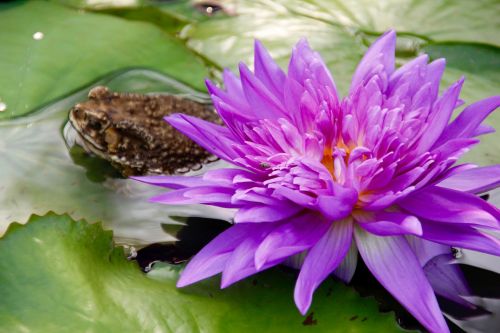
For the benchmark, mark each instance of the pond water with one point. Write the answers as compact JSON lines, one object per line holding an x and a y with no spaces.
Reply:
{"x":42,"y":170}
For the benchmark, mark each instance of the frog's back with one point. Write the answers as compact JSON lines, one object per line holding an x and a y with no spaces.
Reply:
{"x":130,"y":131}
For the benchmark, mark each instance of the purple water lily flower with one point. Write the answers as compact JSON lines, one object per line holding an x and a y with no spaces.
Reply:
{"x":327,"y":178}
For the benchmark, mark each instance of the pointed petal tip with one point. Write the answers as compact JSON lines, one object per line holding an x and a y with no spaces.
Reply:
{"x":259,"y":49}
{"x":173,"y":117}
{"x":245,"y":72}
{"x":303,"y":41}
{"x":391,"y":33}
{"x":388,"y":38}
{"x":224,"y":283}
{"x":301,"y":46}
{"x":439,"y":62}
{"x":137,"y":178}
{"x":210,"y":85}
{"x":183,"y":281}
{"x":302,"y":303}
{"x":413,"y":223}
{"x":154,"y":200}
{"x":243,"y":67}
{"x":257,"y":44}
{"x":260,"y":261}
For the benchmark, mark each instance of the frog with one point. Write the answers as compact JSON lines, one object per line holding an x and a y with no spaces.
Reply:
{"x":129,"y":131}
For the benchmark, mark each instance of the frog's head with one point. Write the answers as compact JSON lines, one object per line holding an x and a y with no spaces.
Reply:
{"x":91,"y":120}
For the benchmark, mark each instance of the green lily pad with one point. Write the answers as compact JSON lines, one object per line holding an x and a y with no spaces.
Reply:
{"x":444,"y":20}
{"x":229,"y":40}
{"x":51,"y":50}
{"x":101,"y":4}
{"x":58,"y":275}
{"x":182,"y":10}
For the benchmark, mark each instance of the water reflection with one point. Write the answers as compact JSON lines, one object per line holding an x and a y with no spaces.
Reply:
{"x":38,"y":35}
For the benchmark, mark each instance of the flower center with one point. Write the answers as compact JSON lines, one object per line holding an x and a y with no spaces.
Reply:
{"x":327,"y":161}
{"x":332,"y":156}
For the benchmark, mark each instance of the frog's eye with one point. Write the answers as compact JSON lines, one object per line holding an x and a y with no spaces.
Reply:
{"x":95,"y":124}
{"x":76,"y":111}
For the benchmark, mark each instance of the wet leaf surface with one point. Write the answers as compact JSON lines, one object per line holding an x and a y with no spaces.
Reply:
{"x":52,"y":50}
{"x":444,"y":20}
{"x":60,"y":275}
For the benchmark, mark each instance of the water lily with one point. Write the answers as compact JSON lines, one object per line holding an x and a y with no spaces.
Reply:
{"x":373,"y":173}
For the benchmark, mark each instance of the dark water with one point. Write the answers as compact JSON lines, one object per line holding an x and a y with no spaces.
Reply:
{"x":42,"y":170}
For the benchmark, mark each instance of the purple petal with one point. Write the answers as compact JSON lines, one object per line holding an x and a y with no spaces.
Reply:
{"x":174,"y":182}
{"x":426,"y":250}
{"x":233,"y":84}
{"x":453,"y":149}
{"x":266,"y":213}
{"x":393,"y":263}
{"x":293,"y":92}
{"x":210,"y":195}
{"x":483,"y":129}
{"x":294,"y":195}
{"x":296,"y":235}
{"x":262,"y":102}
{"x":236,"y":102}
{"x":476,"y":180}
{"x":214,"y":138}
{"x":389,"y":223}
{"x":440,"y":116}
{"x":447,"y":279}
{"x":268,"y":72}
{"x":212,"y":258}
{"x":241,"y":262}
{"x":445,"y":205}
{"x":339,"y":205}
{"x":435,"y":71}
{"x":234,"y":116}
{"x":407,"y":71}
{"x":460,"y":235}
{"x":467,"y":122}
{"x":321,"y":260}
{"x":345,"y":271}
{"x":379,"y":57}
{"x":307,"y":64}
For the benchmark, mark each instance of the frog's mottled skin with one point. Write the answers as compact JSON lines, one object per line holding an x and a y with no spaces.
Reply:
{"x":130,"y":132}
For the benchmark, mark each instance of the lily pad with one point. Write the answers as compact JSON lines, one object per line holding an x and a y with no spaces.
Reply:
{"x":58,"y":275}
{"x":229,"y":40}
{"x":51,"y":50}
{"x":444,"y":20}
